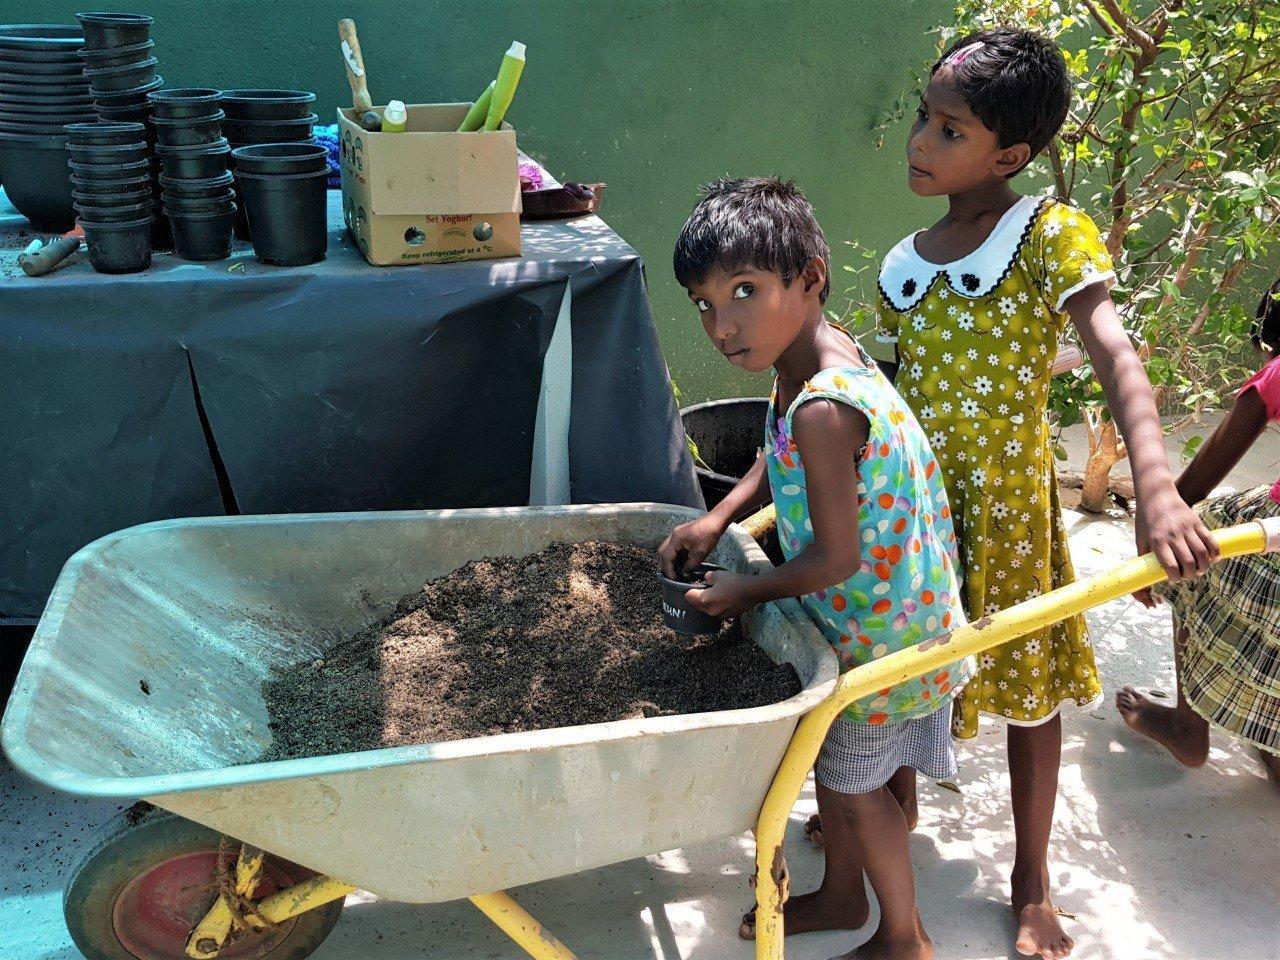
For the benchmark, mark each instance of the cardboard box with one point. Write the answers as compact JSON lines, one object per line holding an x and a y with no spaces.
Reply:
{"x":430,"y":194}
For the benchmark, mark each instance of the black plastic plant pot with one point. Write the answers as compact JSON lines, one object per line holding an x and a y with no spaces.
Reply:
{"x":53,"y":81}
{"x":83,"y":189}
{"x":246,"y":132}
{"x":197,"y":188}
{"x":267,"y":104}
{"x":185,"y":102}
{"x":44,"y":112}
{"x":287,"y":215}
{"x":76,"y":99}
{"x":135,"y":114}
{"x":115,"y":213}
{"x":117,"y":56}
{"x":67,"y":58}
{"x":677,"y":613}
{"x":188,"y":131}
{"x":26,"y":93}
{"x":120,"y":198}
{"x":135,"y":96}
{"x":32,"y":129}
{"x":280,"y":158}
{"x":198,"y":162}
{"x":34,"y":172}
{"x":161,"y":231}
{"x":201,"y":236}
{"x":59,"y":117}
{"x":103,"y":30}
{"x":105,"y":133}
{"x":118,"y":247}
{"x":50,"y":37}
{"x":108,"y":153}
{"x":110,"y":171}
{"x":128,"y":77}
{"x":69,"y":69}
{"x":222,"y":202}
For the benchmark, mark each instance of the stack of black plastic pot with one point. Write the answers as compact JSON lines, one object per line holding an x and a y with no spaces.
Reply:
{"x":196,"y":184}
{"x":121,"y":69}
{"x":42,"y":87}
{"x":283,"y":189}
{"x":111,"y":184}
{"x":265,"y":116}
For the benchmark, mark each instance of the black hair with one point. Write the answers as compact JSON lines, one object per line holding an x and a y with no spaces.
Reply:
{"x":1265,"y":332}
{"x":761,"y":221}
{"x":1016,"y":83}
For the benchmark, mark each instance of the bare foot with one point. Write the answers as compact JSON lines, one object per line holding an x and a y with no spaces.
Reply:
{"x":880,"y":947}
{"x":814,"y":911}
{"x":1039,"y":931}
{"x":1187,"y":740}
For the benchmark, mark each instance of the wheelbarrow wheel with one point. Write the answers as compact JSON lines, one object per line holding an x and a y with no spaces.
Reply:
{"x":139,"y":890}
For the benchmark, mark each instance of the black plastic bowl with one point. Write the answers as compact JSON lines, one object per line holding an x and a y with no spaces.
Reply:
{"x":41,"y":36}
{"x":678,"y":615}
{"x":114,"y":29}
{"x":106,"y":133}
{"x":269,"y":158}
{"x":61,"y":70}
{"x":267,"y":104}
{"x":188,"y":131}
{"x":181,"y":102}
{"x":34,"y":172}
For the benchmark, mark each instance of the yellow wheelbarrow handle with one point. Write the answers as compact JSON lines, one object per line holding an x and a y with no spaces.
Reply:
{"x":929,"y":655}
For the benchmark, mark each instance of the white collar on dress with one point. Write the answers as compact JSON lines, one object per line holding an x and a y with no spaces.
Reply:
{"x":905,"y":276}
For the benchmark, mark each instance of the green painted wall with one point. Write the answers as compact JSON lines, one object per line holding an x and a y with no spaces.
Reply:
{"x":652,"y":96}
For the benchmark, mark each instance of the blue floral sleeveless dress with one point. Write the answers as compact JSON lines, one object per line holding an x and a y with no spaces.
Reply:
{"x":905,"y":590}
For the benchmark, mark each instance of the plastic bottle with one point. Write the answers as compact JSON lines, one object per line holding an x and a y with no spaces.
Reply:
{"x":394,"y":117}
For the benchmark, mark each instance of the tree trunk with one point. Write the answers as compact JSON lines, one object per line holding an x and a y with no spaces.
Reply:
{"x":1105,"y":451}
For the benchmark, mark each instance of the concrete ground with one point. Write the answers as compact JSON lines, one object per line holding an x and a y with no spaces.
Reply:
{"x":1149,"y":860}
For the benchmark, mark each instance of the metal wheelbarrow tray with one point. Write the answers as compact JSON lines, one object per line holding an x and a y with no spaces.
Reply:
{"x":144,"y":679}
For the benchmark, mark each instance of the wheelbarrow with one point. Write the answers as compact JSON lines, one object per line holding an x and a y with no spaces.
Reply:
{"x":144,"y":677}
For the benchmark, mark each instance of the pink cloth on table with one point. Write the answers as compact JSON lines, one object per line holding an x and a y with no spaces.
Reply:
{"x":1267,"y":382}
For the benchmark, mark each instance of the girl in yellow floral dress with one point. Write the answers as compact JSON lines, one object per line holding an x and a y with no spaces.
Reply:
{"x":976,"y":304}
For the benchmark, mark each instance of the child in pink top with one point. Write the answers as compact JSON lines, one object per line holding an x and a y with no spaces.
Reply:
{"x":1227,"y":625}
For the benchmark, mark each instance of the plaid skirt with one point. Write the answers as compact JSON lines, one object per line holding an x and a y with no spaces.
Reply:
{"x":1230,"y":620}
{"x":860,"y":758}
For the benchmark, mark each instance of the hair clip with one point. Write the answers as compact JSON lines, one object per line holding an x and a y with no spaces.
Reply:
{"x":963,"y":54}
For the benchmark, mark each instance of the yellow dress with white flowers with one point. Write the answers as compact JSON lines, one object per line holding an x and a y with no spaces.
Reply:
{"x":976,"y":339}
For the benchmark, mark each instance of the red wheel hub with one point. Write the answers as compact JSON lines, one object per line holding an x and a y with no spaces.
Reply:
{"x":157,"y":910}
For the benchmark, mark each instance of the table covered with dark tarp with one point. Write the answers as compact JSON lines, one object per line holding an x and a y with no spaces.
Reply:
{"x":207,"y":388}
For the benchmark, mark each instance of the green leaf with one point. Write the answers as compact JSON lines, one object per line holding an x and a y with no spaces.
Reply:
{"x":1060,"y":452}
{"x":1240,"y":177}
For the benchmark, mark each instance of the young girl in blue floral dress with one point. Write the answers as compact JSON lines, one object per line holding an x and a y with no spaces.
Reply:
{"x":864,"y":525}
{"x":976,"y":304}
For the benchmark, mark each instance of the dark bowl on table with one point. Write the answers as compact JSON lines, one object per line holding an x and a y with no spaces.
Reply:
{"x":52,"y":37}
{"x":33,"y":170}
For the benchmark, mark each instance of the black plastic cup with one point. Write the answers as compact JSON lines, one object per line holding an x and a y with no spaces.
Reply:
{"x":185,"y":102}
{"x":117,"y":56}
{"x":288,"y":216}
{"x":195,"y":188}
{"x":677,"y":613}
{"x":108,"y":153}
{"x":255,"y":104}
{"x":188,"y":131}
{"x":102,"y":30}
{"x":192,"y":163}
{"x":115,"y":213}
{"x":105,"y":133}
{"x":114,"y":79}
{"x":280,"y":158}
{"x":110,"y":171}
{"x":118,"y":247}
{"x":201,"y":236}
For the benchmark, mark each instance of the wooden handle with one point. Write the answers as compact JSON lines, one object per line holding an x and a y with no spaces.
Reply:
{"x":354,"y":62}
{"x":49,"y":256}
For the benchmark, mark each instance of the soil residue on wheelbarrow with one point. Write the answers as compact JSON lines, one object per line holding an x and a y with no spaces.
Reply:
{"x":571,"y":635}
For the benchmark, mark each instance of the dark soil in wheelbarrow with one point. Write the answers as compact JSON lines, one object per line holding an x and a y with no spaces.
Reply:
{"x":569,"y":636}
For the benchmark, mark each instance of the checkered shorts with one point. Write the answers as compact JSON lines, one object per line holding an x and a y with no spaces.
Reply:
{"x":860,"y":758}
{"x":1230,"y":660}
